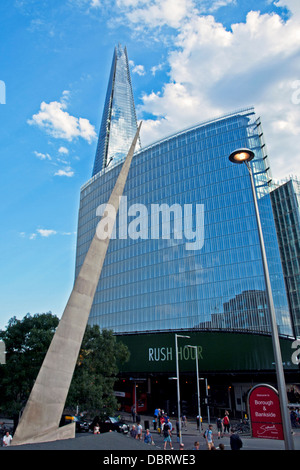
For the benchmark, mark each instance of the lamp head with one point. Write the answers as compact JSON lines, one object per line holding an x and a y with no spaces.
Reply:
{"x":241,"y":156}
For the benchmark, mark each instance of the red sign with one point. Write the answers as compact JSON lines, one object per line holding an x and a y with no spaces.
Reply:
{"x":265,"y":414}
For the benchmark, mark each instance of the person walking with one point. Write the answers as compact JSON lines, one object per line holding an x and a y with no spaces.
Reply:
{"x":139,"y":431}
{"x":133,"y":413}
{"x":209,"y":437}
{"x":133,"y":432}
{"x":170,"y":424}
{"x":219,"y":427}
{"x":155,"y":417}
{"x":7,"y":439}
{"x":235,"y":441}
{"x":196,"y":445}
{"x":226,"y":422}
{"x":177,"y":431}
{"x":167,"y":436}
{"x":148,"y":438}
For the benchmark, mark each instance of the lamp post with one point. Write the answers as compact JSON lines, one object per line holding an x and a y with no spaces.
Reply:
{"x":178,"y":387}
{"x":240,"y":156}
{"x":206,"y":399}
{"x":198,"y":389}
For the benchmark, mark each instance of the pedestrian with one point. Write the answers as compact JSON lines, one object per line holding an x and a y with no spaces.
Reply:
{"x":221,"y":446}
{"x":133,"y":432}
{"x":209,"y":437}
{"x":196,"y":445}
{"x":170,"y":425}
{"x":235,"y":441}
{"x":161,"y":421}
{"x":184,"y":422}
{"x":155,"y":418}
{"x":226,"y":422}
{"x":219,"y":427}
{"x":181,"y":446}
{"x":97,"y":428}
{"x":133,"y":413}
{"x":7,"y":439}
{"x":177,"y":431}
{"x":167,"y":436}
{"x":139,"y":431}
{"x":293,"y":417}
{"x":148,"y":438}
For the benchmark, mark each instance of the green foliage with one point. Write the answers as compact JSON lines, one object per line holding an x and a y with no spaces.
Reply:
{"x":27,"y":342}
{"x":96,"y":372}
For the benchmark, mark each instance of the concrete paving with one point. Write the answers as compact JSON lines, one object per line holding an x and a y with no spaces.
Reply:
{"x":114,"y":441}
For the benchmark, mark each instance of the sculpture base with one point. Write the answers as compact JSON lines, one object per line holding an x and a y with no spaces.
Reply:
{"x":65,"y":432}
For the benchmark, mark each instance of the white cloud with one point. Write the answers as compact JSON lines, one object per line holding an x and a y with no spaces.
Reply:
{"x":292,"y":5}
{"x":46,"y":233}
{"x":156,"y":68}
{"x":54,"y":118}
{"x":63,"y":150}
{"x":216,"y":4}
{"x":95,"y":3}
{"x":65,"y":172}
{"x":157,"y":12}
{"x":214,"y":70}
{"x":139,"y":69}
{"x":42,"y":156}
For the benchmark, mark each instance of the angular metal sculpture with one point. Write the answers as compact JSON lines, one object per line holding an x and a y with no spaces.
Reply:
{"x":42,"y":414}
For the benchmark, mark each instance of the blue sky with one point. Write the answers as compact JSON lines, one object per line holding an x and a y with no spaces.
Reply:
{"x":190,"y":60}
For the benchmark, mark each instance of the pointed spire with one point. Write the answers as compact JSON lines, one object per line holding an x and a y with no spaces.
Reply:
{"x":119,"y":123}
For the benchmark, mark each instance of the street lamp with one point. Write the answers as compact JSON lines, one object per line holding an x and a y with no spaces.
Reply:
{"x":240,"y":156}
{"x":198,"y":389}
{"x":206,"y":399}
{"x":178,"y":387}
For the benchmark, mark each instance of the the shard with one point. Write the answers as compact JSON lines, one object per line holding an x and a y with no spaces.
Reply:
{"x":119,"y":123}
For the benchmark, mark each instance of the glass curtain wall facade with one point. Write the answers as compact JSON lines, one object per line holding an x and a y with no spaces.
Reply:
{"x":152,"y":280}
{"x":119,"y":123}
{"x":286,"y":207}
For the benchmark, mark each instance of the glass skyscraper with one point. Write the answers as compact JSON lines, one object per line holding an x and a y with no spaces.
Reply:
{"x":286,"y":206}
{"x":119,"y":124}
{"x":186,"y":251}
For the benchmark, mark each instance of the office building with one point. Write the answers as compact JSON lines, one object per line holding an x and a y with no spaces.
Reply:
{"x":118,"y":125}
{"x":286,"y":207}
{"x":185,"y":257}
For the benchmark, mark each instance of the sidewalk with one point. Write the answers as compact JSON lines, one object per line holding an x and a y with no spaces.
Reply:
{"x":191,"y":435}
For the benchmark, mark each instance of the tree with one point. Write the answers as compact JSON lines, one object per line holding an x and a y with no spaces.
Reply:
{"x":96,"y":372}
{"x":27,"y":342}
